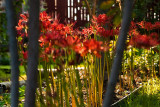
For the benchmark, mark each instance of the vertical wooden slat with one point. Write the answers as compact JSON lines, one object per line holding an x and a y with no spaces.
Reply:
{"x":50,"y":7}
{"x":66,"y":13}
{"x":74,"y":2}
{"x":70,"y":11}
{"x":55,"y":9}
{"x":61,"y":10}
{"x":78,"y":14}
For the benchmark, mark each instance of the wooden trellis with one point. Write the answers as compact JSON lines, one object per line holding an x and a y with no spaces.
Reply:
{"x":68,"y":11}
{"x":153,"y":11}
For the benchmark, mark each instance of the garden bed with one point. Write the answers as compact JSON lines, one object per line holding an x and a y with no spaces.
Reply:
{"x":122,"y":90}
{"x":147,"y":96}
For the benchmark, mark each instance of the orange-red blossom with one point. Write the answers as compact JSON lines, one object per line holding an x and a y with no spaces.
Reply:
{"x":89,"y":46}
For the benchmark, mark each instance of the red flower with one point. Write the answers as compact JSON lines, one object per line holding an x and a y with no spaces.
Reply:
{"x":44,"y":16}
{"x":154,"y":39}
{"x":47,"y":50}
{"x":45,"y":21}
{"x":20,"y":26}
{"x":105,"y":33}
{"x":156,"y":25}
{"x":67,"y":29}
{"x":71,"y":41}
{"x":144,"y":41}
{"x":133,"y":25}
{"x":92,"y":44}
{"x":60,"y":27}
{"x":46,"y":24}
{"x":24,"y":17}
{"x":25,"y":54}
{"x":154,"y":35}
{"x":41,"y":40}
{"x":102,"y":19}
{"x":87,"y":31}
{"x":81,"y":49}
{"x":141,"y":24}
{"x":140,"y":41}
{"x":146,"y":25}
{"x":89,"y":46}
{"x":116,"y":31}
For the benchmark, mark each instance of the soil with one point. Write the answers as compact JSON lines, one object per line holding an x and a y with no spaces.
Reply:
{"x":124,"y":87}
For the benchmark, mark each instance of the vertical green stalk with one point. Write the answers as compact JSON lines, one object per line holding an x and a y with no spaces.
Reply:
{"x":100,"y":71}
{"x":86,"y":83}
{"x":79,"y":84}
{"x":41,"y":98}
{"x":108,"y":64}
{"x":73,"y":86}
{"x":92,"y":83}
{"x":65,"y":91}
{"x":61,"y":90}
{"x":131,"y":68}
{"x":145,"y":59}
{"x":51,"y":88}
{"x":159,"y":60}
{"x":123,"y":67}
{"x":46,"y":73}
{"x":153,"y":67}
{"x":159,"y":55}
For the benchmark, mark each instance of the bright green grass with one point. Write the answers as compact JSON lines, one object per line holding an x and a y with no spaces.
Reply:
{"x":5,"y":67}
{"x":148,"y":96}
{"x":6,"y":77}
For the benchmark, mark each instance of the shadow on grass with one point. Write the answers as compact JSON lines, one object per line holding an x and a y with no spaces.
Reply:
{"x":4,"y":76}
{"x":141,"y":101}
{"x":148,"y":96}
{"x":5,"y":72}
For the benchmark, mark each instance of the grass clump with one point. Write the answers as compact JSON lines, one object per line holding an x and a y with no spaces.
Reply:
{"x":148,"y":96}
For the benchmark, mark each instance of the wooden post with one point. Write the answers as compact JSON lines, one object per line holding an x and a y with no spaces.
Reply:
{"x":33,"y":48}
{"x":11,"y":23}
{"x":127,"y":11}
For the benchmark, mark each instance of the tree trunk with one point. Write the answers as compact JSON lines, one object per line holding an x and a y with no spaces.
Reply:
{"x":127,"y":10}
{"x":33,"y":48}
{"x":11,"y":23}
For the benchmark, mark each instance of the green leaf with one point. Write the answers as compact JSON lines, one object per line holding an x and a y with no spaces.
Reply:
{"x":117,"y":20}
{"x":106,"y":4}
{"x":113,"y":11}
{"x":19,"y":38}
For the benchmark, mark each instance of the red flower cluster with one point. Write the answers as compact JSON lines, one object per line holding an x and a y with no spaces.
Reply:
{"x":25,"y":54}
{"x":104,"y":33}
{"x":56,"y":38}
{"x":102,"y":19}
{"x":22,"y":22}
{"x":88,"y":31}
{"x":103,"y":27}
{"x":22,"y":25}
{"x":148,"y":25}
{"x":144,"y":40}
{"x":45,"y":22}
{"x":89,"y":46}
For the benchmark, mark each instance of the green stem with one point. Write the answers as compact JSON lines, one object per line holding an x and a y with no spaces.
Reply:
{"x":80,"y":93}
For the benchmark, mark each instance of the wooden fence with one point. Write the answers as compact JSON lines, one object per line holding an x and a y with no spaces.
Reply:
{"x":68,"y":11}
{"x":153,"y":10}
{"x":72,"y":10}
